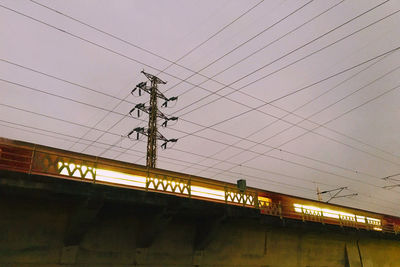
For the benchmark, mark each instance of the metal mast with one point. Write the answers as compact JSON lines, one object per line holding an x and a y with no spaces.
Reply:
{"x":152,"y":132}
{"x":151,"y":140}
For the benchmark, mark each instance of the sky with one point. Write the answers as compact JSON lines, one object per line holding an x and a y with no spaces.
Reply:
{"x":289,"y":95}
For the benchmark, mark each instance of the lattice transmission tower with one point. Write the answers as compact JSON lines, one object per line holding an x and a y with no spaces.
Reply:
{"x":152,"y":110}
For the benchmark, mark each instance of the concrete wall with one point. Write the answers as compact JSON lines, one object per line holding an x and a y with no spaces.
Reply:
{"x":33,"y":233}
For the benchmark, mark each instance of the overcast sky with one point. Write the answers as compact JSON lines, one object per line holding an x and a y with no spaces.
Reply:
{"x":288,"y":95}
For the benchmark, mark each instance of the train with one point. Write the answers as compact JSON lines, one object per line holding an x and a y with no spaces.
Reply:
{"x":34,"y":159}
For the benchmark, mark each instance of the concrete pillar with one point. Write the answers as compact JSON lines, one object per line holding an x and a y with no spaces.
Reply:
{"x":352,"y":254}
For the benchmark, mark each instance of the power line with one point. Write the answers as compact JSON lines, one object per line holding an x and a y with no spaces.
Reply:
{"x":342,"y":38}
{"x":95,"y":44}
{"x":291,"y":162}
{"x":68,"y":140}
{"x":286,"y":66}
{"x":193,"y":48}
{"x":147,"y":50}
{"x":329,"y":138}
{"x":96,"y":91}
{"x":263,"y":179}
{"x":257,"y":178}
{"x":304,"y":57}
{"x":208,"y":139}
{"x":343,"y":114}
{"x":78,"y":85}
{"x":161,"y":71}
{"x":64,"y":31}
{"x":262,"y":48}
{"x":298,"y":108}
{"x":108,"y":49}
{"x":191,"y":153}
{"x":130,"y":43}
{"x":317,"y":112}
{"x":105,"y":144}
{"x":236,"y":48}
{"x":303,"y":88}
{"x":64,"y":80}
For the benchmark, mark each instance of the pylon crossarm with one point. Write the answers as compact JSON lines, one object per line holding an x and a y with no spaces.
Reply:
{"x":151,"y":131}
{"x":153,"y":78}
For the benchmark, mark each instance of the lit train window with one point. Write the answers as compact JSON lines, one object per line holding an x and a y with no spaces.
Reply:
{"x":336,"y":214}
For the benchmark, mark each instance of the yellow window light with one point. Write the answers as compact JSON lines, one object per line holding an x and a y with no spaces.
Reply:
{"x":168,"y":185}
{"x":74,"y":169}
{"x":263,"y":202}
{"x":120,"y":178}
{"x":264,"y":199}
{"x":373,"y":221}
{"x":360,"y":219}
{"x":335,"y":214}
{"x":207,"y":192}
{"x":101,"y":174}
{"x":240,"y":198}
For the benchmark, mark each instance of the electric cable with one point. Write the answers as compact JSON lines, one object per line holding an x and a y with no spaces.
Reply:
{"x":286,"y":66}
{"x":302,"y":165}
{"x":144,"y":49}
{"x":110,"y":50}
{"x":63,"y":134}
{"x":208,"y":139}
{"x":313,"y":114}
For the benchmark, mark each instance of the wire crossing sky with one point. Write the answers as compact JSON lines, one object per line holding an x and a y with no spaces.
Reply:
{"x":285,"y":94}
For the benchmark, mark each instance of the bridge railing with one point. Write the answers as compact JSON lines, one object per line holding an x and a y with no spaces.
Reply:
{"x":68,"y":165}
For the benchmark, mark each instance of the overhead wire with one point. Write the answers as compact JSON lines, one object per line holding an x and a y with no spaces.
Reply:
{"x":124,"y":114}
{"x":272,"y":101}
{"x":298,"y":108}
{"x":236,"y":48}
{"x":147,"y":50}
{"x":99,"y":92}
{"x":140,"y":152}
{"x":108,"y":131}
{"x":83,"y":39}
{"x":198,"y":72}
{"x":161,"y":71}
{"x":86,"y":40}
{"x":117,"y":98}
{"x":105,"y":144}
{"x":304,"y":58}
{"x":263,"y":47}
{"x":70,"y":17}
{"x":313,"y":114}
{"x":285,"y":55}
{"x":303,"y":88}
{"x":291,"y":162}
{"x":310,"y":85}
{"x":210,"y":139}
{"x":335,"y":118}
{"x":384,"y":54}
{"x":108,"y":49}
{"x":69,"y":140}
{"x":54,"y":10}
